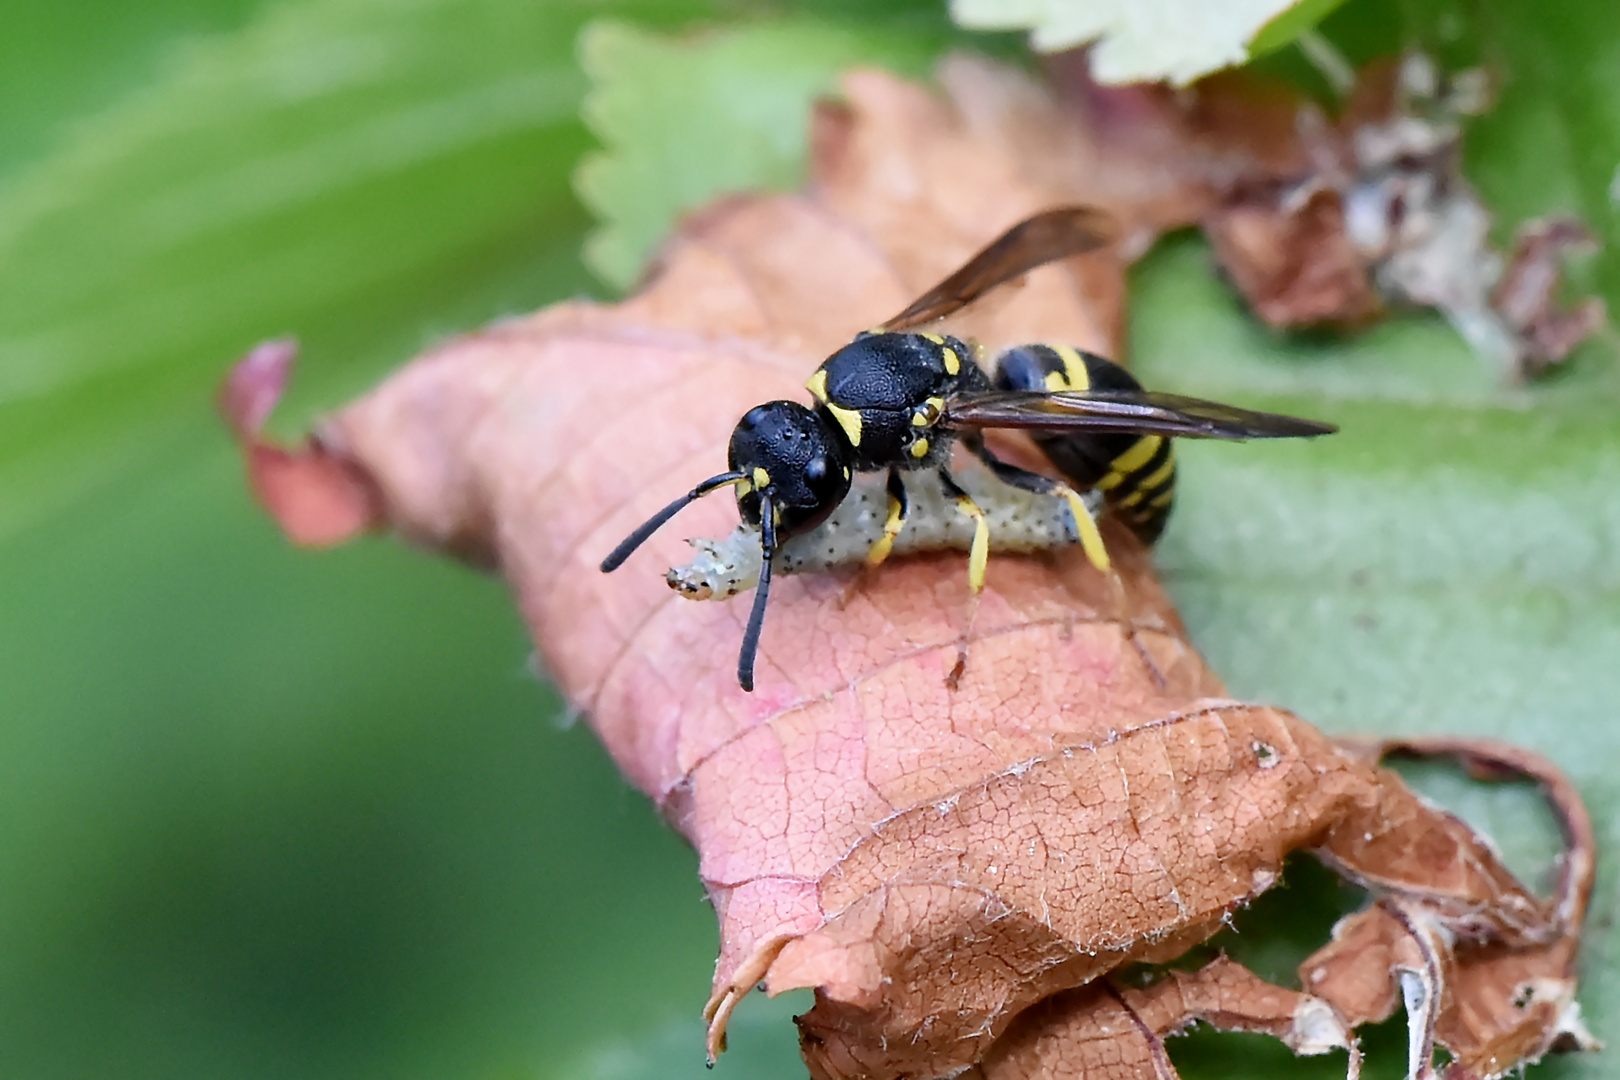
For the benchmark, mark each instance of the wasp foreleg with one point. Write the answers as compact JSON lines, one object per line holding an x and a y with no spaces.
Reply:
{"x":756,"y":615}
{"x":898,"y":508}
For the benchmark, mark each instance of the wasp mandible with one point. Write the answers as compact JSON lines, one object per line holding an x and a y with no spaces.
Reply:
{"x":897,"y":399}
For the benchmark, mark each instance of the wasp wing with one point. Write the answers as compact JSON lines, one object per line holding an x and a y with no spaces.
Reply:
{"x":1139,"y":411}
{"x":1035,"y":241}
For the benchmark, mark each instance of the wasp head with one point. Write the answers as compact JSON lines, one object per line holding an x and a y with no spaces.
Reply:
{"x":788,"y":455}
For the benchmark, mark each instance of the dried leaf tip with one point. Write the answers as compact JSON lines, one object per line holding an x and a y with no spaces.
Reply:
{"x":251,"y":390}
{"x":318,"y":497}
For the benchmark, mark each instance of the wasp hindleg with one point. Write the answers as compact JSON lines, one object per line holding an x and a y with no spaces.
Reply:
{"x":1085,"y":525}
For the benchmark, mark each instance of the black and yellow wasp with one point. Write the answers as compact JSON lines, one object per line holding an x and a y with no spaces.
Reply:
{"x":895,"y":399}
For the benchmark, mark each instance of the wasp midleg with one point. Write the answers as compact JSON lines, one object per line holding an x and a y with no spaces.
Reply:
{"x":1085,"y":524}
{"x":979,"y":553}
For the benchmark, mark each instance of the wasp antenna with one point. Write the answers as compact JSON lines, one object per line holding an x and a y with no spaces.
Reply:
{"x":656,"y":522}
{"x":762,"y":592}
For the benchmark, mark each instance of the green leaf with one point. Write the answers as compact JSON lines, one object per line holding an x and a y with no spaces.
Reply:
{"x":325,"y":155}
{"x":686,"y":119}
{"x":1149,"y":40}
{"x":63,"y":60}
{"x":1290,"y":24}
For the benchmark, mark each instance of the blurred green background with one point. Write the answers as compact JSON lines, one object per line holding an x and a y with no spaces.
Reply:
{"x":266,"y":813}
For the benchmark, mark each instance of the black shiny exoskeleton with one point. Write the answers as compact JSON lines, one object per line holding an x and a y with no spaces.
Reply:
{"x":1136,"y":473}
{"x":898,"y":401}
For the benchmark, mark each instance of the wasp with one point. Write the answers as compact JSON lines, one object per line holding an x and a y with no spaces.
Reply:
{"x":897,"y":399}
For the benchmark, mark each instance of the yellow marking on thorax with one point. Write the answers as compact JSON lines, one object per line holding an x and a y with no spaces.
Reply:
{"x":1074,"y":366}
{"x":919,"y":449}
{"x":848,"y":419}
{"x":817,"y":384}
{"x":928,"y":412}
{"x":953,"y":363}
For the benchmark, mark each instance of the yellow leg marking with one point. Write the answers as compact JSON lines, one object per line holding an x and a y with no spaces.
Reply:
{"x":891,"y":528}
{"x":979,"y":555}
{"x":1091,"y":540}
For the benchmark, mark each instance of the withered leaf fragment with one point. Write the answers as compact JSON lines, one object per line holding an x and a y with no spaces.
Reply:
{"x":954,"y":820}
{"x":1323,"y":222}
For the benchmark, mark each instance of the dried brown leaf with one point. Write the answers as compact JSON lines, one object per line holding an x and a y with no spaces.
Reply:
{"x":953,"y":818}
{"x":1332,"y":223}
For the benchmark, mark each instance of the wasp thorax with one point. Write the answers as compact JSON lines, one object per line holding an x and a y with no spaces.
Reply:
{"x":882,"y":390}
{"x":788,"y":454}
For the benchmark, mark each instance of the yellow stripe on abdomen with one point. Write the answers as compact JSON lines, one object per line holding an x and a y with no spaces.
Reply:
{"x":1120,"y":469}
{"x":1140,"y":453}
{"x":1153,"y":475}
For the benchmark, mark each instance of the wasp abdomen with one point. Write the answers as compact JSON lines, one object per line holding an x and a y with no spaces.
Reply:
{"x":1135,"y":473}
